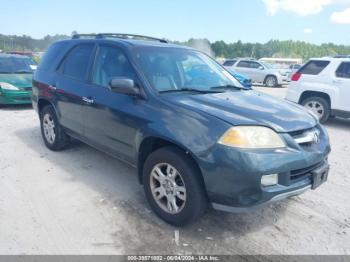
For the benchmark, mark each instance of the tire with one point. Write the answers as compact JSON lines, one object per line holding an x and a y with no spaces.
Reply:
{"x":271,"y":81}
{"x":319,"y":106}
{"x":186,"y":175}
{"x":58,"y":140}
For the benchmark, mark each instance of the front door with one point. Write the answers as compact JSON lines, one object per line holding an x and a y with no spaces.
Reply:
{"x":257,"y":71}
{"x":112,"y":119}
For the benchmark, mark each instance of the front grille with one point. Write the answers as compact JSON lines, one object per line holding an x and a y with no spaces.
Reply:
{"x":308,"y":139}
{"x":27,"y":88}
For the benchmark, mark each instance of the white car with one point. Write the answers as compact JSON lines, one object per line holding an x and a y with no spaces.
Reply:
{"x":323,"y":86}
{"x":258,"y":71}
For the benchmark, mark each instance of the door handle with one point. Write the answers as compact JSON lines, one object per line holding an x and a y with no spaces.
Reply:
{"x":88,"y":100}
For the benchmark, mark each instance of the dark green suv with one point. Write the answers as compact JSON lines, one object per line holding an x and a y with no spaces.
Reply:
{"x":197,"y":138}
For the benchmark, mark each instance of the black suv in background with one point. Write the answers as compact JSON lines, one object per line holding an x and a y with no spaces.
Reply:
{"x":195,"y":135}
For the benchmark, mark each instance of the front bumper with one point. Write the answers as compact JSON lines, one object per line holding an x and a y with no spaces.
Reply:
{"x":233,"y":176}
{"x":276,"y":198}
{"x":15,"y":97}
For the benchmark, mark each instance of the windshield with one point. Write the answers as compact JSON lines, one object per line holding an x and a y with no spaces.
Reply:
{"x":16,"y":65}
{"x":170,"y":69}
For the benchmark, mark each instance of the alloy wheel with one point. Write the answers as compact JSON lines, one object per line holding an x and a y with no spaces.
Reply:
{"x":271,"y":82}
{"x":49,"y":128}
{"x":168,"y":188}
{"x":316,"y":107}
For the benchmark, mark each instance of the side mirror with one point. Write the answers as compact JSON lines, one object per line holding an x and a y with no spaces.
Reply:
{"x":261,"y":68}
{"x":124,"y":86}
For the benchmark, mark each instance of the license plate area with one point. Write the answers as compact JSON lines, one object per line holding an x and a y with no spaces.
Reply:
{"x":319,"y":176}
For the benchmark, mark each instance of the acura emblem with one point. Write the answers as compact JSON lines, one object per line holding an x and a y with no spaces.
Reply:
{"x":316,"y":136}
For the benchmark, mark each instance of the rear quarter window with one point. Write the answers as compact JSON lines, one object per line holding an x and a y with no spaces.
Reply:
{"x":343,"y":70}
{"x":314,"y":67}
{"x":53,"y":56}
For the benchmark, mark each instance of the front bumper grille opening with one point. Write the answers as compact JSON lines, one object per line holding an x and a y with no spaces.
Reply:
{"x":302,"y":173}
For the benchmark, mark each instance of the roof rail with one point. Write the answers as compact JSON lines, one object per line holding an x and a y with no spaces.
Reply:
{"x":342,"y":56}
{"x":118,"y":35}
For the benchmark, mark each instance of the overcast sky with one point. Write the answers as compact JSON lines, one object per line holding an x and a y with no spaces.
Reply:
{"x":316,"y":21}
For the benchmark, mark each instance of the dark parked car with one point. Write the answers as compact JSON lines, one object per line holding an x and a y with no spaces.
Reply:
{"x":195,"y":135}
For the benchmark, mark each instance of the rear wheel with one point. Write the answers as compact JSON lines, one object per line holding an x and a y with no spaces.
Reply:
{"x":53,"y":134}
{"x":271,"y":81}
{"x":173,"y":187}
{"x":319,"y":106}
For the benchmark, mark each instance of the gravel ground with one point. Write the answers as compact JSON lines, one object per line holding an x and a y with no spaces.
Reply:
{"x":82,"y":201}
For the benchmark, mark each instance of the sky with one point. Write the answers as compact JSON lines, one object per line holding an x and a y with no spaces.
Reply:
{"x":315,"y":21}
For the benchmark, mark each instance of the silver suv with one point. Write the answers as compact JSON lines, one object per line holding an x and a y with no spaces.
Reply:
{"x":258,"y":71}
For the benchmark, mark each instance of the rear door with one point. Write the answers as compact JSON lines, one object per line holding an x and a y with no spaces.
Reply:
{"x":342,"y":82}
{"x":243,"y":67}
{"x":71,"y":86}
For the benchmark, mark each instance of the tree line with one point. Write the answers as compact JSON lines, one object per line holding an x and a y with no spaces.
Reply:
{"x":273,"y":48}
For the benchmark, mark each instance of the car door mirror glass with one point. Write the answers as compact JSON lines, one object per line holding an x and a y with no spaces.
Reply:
{"x":124,"y":86}
{"x":261,"y":68}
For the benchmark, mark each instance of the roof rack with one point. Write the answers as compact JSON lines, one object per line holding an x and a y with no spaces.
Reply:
{"x":342,"y":56}
{"x":117,"y":35}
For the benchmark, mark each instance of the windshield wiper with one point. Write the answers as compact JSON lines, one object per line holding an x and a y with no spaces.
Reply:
{"x":228,"y":87}
{"x":185,"y":89}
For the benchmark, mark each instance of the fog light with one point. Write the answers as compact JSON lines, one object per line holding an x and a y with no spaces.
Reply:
{"x":269,"y":180}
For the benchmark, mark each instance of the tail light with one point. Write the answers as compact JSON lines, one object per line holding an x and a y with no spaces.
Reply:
{"x":296,"y":77}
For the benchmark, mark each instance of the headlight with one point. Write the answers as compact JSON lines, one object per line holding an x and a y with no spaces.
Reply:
{"x":258,"y":137}
{"x":7,"y":86}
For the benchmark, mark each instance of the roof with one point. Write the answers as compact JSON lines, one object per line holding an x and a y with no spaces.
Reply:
{"x":331,"y":58}
{"x":280,"y":59}
{"x":128,"y":39}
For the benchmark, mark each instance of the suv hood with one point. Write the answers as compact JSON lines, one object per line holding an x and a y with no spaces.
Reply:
{"x":248,"y":108}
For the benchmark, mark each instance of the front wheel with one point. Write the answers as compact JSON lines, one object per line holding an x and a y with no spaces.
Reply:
{"x":173,"y":187}
{"x":271,"y":81}
{"x":319,"y":106}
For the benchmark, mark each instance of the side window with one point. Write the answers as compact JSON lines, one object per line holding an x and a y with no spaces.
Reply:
{"x":314,"y":67}
{"x":229,"y":63}
{"x":343,"y":70}
{"x":243,"y":64}
{"x":77,"y":62}
{"x":111,"y":62}
{"x":254,"y":65}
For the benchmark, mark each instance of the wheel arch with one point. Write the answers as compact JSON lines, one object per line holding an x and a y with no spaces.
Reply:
{"x":42,"y":102}
{"x":153,"y":143}
{"x":307,"y":94}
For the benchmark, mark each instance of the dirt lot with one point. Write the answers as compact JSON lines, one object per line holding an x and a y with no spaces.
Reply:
{"x":82,"y":201}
